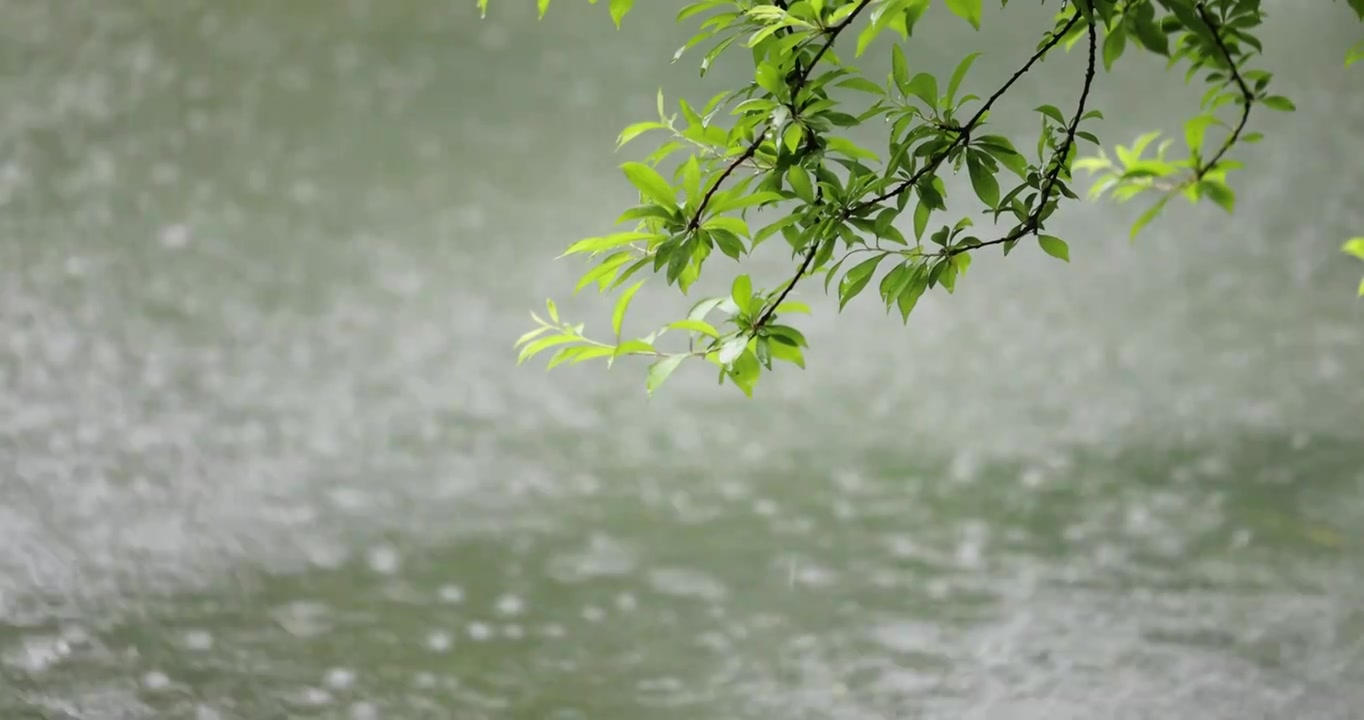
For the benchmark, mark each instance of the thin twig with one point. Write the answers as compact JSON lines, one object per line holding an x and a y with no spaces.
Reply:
{"x":1247,"y":97}
{"x":1032,"y":224}
{"x":930,"y":166}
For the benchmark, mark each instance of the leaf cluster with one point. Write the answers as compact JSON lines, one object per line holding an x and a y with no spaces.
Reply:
{"x":772,"y":158}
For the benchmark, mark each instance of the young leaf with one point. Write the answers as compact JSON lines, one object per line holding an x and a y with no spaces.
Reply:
{"x":1147,"y":217}
{"x":700,"y":326}
{"x":741,"y":292}
{"x":633,"y":131}
{"x":530,"y":350}
{"x":650,"y":183}
{"x":618,"y":10}
{"x":732,"y":349}
{"x":958,"y":75}
{"x":618,"y":316}
{"x":1054,"y":246}
{"x":800,"y":183}
{"x":1355,"y":247}
{"x":1114,"y":43}
{"x":926,"y":87}
{"x":968,"y":10}
{"x":1280,"y":103}
{"x":659,"y":371}
{"x":899,"y":69}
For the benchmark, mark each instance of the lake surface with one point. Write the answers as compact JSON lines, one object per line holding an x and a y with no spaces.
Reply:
{"x":265,"y":453}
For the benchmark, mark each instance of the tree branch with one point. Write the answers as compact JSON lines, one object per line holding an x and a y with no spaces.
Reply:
{"x":937,"y":159}
{"x":1033,"y":223}
{"x":832,"y":34}
{"x":1247,"y":97}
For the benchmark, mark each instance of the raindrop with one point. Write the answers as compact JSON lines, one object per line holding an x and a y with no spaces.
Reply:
{"x":175,"y":236}
{"x":451,"y":594}
{"x":383,"y":559}
{"x":510,"y":605}
{"x":155,"y":680}
{"x":364,"y":711}
{"x":198,"y":640}
{"x":438,"y":641}
{"x":340,"y":678}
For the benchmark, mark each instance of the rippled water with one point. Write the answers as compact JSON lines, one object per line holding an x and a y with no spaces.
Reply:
{"x":265,"y":453}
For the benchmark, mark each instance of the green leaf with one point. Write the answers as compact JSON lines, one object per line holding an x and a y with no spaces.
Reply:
{"x":728,"y":242}
{"x":633,"y":131}
{"x":1147,"y":217}
{"x":1355,"y":54}
{"x":700,"y":326}
{"x":650,"y":183}
{"x":732,"y":349}
{"x":603,"y":272}
{"x":691,"y":179}
{"x":800,"y":183}
{"x":921,"y":214}
{"x":1148,"y":32}
{"x":856,"y":279}
{"x":618,"y":316}
{"x":1280,"y":103}
{"x":745,"y":372}
{"x":702,"y":308}
{"x":913,"y":290}
{"x":591,"y":353}
{"x":1052,"y":112}
{"x":849,"y":148}
{"x":792,"y":306}
{"x":983,"y":181}
{"x":899,"y":69}
{"x":1220,"y":193}
{"x":742,"y":292}
{"x":769,"y":78}
{"x":618,"y":10}
{"x":1054,"y":246}
{"x":926,"y":87}
{"x":1355,"y":247}
{"x":968,"y":10}
{"x":541,"y":6}
{"x":785,"y":334}
{"x":531,"y":335}
{"x":530,"y":350}
{"x":862,"y":84}
{"x":1114,"y":43}
{"x":788,"y":353}
{"x":718,"y":206}
{"x":958,"y":75}
{"x":1195,"y":128}
{"x":659,"y":371}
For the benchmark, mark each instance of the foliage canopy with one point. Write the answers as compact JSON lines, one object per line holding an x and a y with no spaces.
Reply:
{"x":773,"y":144}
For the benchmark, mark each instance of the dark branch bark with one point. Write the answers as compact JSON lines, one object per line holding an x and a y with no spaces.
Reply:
{"x":1247,"y":97}
{"x":937,"y":159}
{"x":1033,"y":223}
